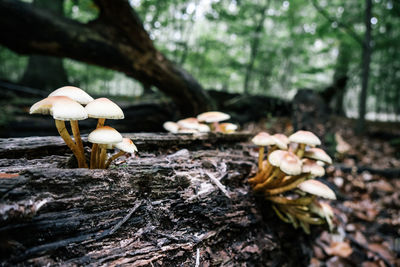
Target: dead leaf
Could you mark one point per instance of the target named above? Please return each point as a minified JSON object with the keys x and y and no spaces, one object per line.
{"x":341,"y":249}
{"x":4,"y":175}
{"x":382,"y":251}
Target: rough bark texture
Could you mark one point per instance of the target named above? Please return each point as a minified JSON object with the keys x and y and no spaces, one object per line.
{"x":115,"y":40}
{"x":183,"y":203}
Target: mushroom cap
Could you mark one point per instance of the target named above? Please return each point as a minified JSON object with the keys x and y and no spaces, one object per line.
{"x":67,"y":109}
{"x":263,"y":139}
{"x":213,"y":116}
{"x":317,"y":188}
{"x":44,"y":106}
{"x":126,"y":145}
{"x":203,"y":128}
{"x":290,"y":163}
{"x":188,"y":123}
{"x":317,"y":154}
{"x":305,"y":137}
{"x":104,"y":108}
{"x":60,"y":107}
{"x":171,"y":126}
{"x":281,"y":141}
{"x":228,"y":127}
{"x":105,"y":135}
{"x":310,"y":166}
{"x":275,"y":157}
{"x":74,"y":93}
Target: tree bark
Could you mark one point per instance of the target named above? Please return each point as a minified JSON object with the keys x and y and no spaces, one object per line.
{"x":115,"y":40}
{"x":366,"y":60}
{"x":46,"y":73}
{"x":173,"y":206}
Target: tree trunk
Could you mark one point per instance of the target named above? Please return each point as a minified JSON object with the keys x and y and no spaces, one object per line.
{"x":45,"y":72}
{"x":366,"y":59}
{"x":183,"y":202}
{"x":115,"y":40}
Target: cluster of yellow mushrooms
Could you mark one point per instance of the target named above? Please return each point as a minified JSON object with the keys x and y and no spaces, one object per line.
{"x":67,"y":104}
{"x":286,"y":178}
{"x":203,"y":123}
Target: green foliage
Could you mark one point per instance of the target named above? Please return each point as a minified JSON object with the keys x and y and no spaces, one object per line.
{"x":298,"y":46}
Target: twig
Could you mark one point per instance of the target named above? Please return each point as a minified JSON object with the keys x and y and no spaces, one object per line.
{"x":218,"y":184}
{"x":197,"y":258}
{"x":120,"y":223}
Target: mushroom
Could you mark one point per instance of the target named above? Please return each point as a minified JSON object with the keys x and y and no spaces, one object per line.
{"x":171,"y":126}
{"x":105,"y":137}
{"x":304,"y":138}
{"x":213,"y":118}
{"x":102,"y":109}
{"x":82,"y":98}
{"x":228,"y":127}
{"x":286,"y":163}
{"x":125,"y":146}
{"x":317,"y":188}
{"x":188,"y":123}
{"x":63,"y":108}
{"x":310,"y":166}
{"x":318,"y":154}
{"x":281,"y":141}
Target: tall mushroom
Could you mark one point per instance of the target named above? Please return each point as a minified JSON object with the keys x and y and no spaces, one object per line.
{"x":104,"y":136}
{"x":102,"y":109}
{"x":63,"y":108}
{"x":82,"y":98}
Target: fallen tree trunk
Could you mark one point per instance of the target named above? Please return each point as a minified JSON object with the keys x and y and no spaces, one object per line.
{"x":116,"y":40}
{"x":184,"y":203}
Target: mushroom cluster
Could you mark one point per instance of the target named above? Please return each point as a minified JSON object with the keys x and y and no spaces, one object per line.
{"x":287,"y":178}
{"x":67,"y":104}
{"x":203,"y":123}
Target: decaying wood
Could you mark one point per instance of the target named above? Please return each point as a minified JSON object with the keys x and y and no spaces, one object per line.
{"x":160,"y":208}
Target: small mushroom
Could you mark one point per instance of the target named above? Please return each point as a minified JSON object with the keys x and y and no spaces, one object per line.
{"x":105,"y":137}
{"x":188,"y":123}
{"x":228,"y":127}
{"x":312,"y":167}
{"x":171,"y":126}
{"x":304,"y":138}
{"x":317,"y":188}
{"x":125,"y":146}
{"x":318,"y":154}
{"x":213,"y":118}
{"x":63,"y":108}
{"x":102,"y":109}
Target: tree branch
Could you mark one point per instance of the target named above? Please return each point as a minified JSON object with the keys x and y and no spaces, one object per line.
{"x":116,"y":40}
{"x":341,"y":25}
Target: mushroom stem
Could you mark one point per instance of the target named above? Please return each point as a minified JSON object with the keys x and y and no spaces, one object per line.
{"x":282,"y":189}
{"x":260,"y":158}
{"x":103,"y":156}
{"x":300,"y":150}
{"x":62,"y":130}
{"x":287,"y":201}
{"x":276,"y":174}
{"x":77,"y":136}
{"x":113,"y":157}
{"x":95,"y":147}
{"x":259,"y":176}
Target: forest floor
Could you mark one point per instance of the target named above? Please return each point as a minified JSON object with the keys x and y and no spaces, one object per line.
{"x":366,"y":180}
